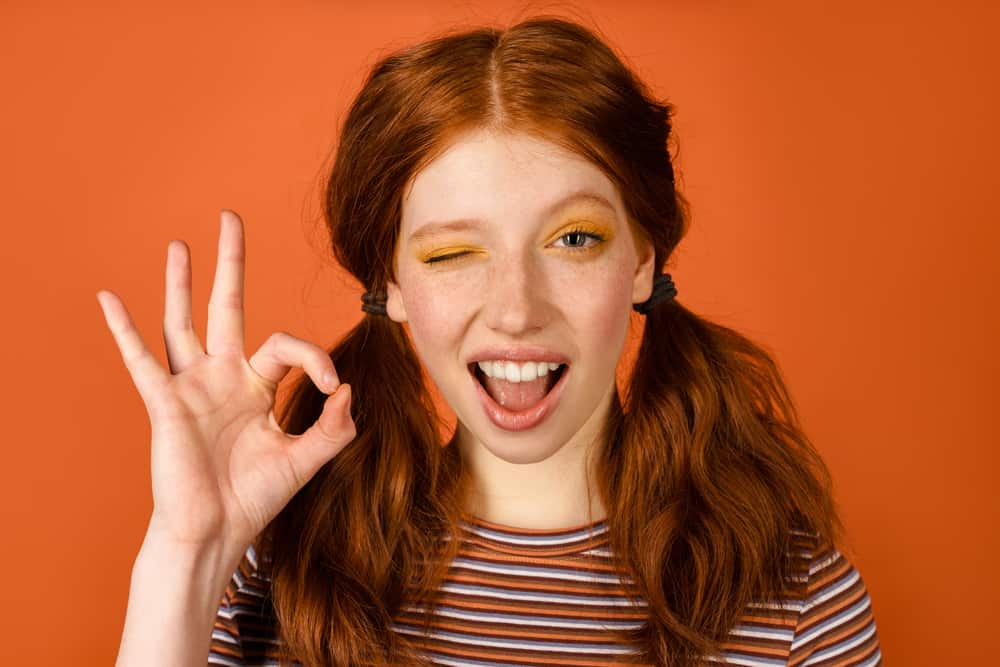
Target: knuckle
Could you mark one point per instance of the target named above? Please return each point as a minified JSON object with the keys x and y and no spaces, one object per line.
{"x":276,"y":341}
{"x":347,"y":432}
{"x":321,"y":357}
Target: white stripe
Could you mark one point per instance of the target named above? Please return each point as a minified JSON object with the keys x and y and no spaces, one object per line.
{"x":247,"y":590}
{"x":496,"y":536}
{"x":535,"y":572}
{"x":745,"y":660}
{"x":764,"y":633}
{"x":823,"y":564}
{"x":598,"y":551}
{"x":468,"y":640}
{"x":803,"y":533}
{"x":484,"y":591}
{"x":456,"y":663}
{"x":824,"y":594}
{"x":844,"y":646}
{"x":566,"y":622}
{"x":785,"y":605}
{"x":828,"y":626}
{"x":224,"y":636}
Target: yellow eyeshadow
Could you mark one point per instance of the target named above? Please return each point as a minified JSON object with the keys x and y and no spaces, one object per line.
{"x":589,"y":226}
{"x":426,"y":256}
{"x":604,"y":231}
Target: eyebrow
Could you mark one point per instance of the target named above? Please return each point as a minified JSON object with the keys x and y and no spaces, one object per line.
{"x":435,"y":228}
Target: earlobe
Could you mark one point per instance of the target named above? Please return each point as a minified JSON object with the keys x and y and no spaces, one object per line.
{"x":394,"y":307}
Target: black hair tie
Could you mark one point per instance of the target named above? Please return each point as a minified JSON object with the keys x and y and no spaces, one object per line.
{"x":663,"y":289}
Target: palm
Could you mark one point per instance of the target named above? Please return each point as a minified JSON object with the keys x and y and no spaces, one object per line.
{"x":221,"y":466}
{"x":217,"y":452}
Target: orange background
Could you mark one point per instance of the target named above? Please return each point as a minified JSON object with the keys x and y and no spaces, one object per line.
{"x":841,"y":164}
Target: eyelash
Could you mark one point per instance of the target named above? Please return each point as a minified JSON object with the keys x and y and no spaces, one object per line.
{"x":597,"y":237}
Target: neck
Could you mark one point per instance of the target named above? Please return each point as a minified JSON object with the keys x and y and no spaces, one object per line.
{"x":554,"y":493}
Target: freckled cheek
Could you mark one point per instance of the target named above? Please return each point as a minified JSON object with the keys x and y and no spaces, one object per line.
{"x":433,"y":312}
{"x":601,"y":314}
{"x":600,"y":310}
{"x":431,"y":330}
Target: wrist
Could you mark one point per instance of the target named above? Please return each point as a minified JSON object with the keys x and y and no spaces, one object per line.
{"x":162,"y":552}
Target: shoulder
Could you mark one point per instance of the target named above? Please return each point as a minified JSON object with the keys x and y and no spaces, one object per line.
{"x":825,"y":619}
{"x":835,"y":623}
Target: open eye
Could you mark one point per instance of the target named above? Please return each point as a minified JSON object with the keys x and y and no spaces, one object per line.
{"x":580,"y":235}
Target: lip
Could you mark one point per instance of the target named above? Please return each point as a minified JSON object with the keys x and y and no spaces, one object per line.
{"x":520,"y":353}
{"x":510,"y":420}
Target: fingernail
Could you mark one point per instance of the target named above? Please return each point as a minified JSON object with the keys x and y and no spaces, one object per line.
{"x":330,"y":380}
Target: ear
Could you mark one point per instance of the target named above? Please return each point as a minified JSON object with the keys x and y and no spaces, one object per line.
{"x":394,"y":307}
{"x":642,"y":285}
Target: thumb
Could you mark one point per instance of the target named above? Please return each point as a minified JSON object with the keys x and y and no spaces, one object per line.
{"x":333,"y":431}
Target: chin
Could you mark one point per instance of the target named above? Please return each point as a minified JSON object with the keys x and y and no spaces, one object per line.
{"x":538,"y":451}
{"x":515,"y":447}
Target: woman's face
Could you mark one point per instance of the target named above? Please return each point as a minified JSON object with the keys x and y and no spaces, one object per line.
{"x":531,"y":270}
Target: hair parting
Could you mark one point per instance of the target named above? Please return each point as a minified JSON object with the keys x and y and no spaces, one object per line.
{"x":706,"y":471}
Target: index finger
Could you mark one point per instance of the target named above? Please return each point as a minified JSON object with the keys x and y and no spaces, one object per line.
{"x":224,"y":331}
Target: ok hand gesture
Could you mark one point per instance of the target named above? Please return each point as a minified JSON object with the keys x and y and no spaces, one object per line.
{"x":221,"y":466}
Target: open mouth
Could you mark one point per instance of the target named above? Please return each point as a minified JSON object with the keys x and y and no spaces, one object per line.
{"x":502,"y":391}
{"x":518,"y":406}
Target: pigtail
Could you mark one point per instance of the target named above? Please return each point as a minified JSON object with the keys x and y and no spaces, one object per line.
{"x":709,"y":474}
{"x":369,"y":515}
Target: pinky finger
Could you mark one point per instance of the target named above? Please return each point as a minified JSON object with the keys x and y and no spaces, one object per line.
{"x":145,"y":370}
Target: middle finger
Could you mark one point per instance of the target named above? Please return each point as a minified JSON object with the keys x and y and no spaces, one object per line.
{"x":225,"y":306}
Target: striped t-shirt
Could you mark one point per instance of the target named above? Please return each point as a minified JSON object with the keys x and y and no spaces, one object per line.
{"x":516,"y":596}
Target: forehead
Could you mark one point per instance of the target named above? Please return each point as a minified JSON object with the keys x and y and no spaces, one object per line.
{"x":486,"y":175}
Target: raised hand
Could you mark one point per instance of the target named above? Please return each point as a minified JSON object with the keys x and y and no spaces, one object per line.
{"x":221,"y":466}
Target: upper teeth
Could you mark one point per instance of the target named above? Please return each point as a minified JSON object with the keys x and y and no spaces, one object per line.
{"x":514,"y":372}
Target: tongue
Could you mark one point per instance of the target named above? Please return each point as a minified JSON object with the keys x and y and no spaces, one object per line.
{"x":518,"y":396}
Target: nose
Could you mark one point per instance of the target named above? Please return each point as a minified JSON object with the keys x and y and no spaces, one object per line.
{"x":516,"y":299}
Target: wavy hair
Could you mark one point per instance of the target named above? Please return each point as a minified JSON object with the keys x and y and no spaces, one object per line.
{"x":706,"y":470}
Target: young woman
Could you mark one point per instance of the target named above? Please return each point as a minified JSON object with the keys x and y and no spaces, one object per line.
{"x":507,"y":199}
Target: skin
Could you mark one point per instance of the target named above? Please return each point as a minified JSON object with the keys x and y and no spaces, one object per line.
{"x":222,"y":468}
{"x":521,"y":280}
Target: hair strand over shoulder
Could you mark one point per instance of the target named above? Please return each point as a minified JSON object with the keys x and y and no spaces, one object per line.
{"x":706,"y":473}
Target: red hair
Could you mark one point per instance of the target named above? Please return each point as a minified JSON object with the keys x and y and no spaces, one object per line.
{"x":706,"y":470}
